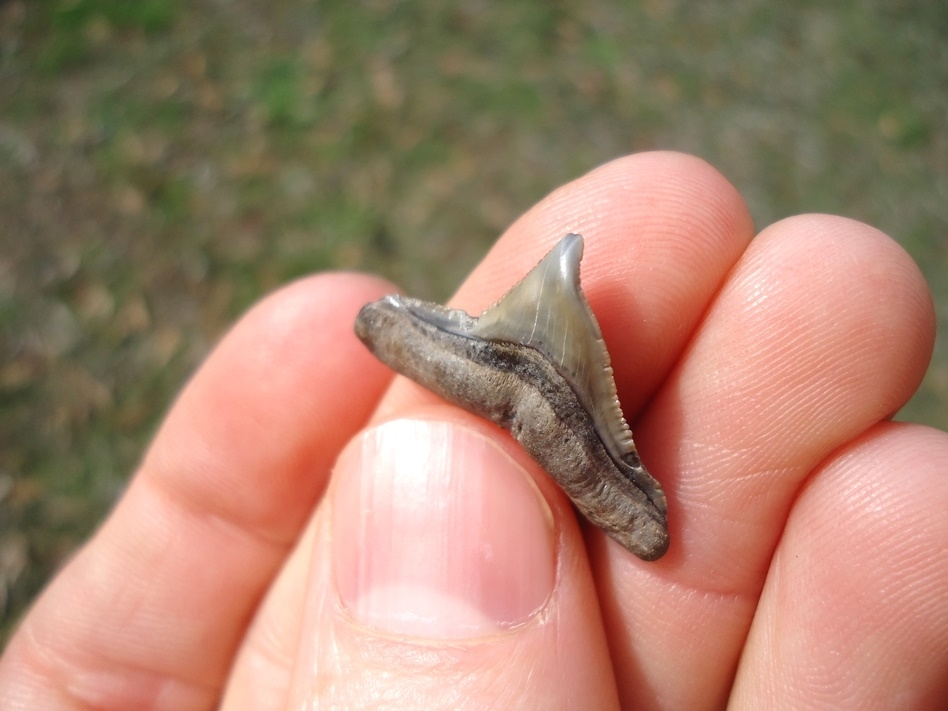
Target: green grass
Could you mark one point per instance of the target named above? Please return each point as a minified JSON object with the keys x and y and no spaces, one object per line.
{"x":164,"y":164}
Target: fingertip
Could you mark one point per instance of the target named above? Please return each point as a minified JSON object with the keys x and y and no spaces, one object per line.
{"x":854,"y":612}
{"x":439,"y":573}
{"x":299,"y":317}
{"x":634,"y":209}
{"x":676,"y":184}
{"x":822,"y":329}
{"x":253,"y":435}
{"x":861,"y":275}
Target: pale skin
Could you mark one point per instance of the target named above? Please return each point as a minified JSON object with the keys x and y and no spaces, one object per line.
{"x":807,"y":564}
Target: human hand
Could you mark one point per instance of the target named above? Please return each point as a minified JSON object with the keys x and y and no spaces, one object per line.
{"x":438,"y":567}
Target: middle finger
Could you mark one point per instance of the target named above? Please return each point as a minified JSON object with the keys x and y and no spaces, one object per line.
{"x":821,"y":330}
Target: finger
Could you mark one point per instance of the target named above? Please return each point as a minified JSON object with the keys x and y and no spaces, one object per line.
{"x":148,"y":614}
{"x":854,"y":613}
{"x":823,"y":329}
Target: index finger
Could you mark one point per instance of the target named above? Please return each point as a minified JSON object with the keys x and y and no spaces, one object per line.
{"x":149,"y":613}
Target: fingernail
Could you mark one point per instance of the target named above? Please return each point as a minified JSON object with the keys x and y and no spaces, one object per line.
{"x":437,"y":532}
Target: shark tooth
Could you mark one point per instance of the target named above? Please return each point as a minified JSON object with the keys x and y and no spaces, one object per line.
{"x":535,"y":363}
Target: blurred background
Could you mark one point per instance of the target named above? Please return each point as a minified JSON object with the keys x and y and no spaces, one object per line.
{"x":163,"y":164}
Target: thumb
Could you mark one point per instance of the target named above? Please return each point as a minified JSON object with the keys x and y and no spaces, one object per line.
{"x":443,"y":578}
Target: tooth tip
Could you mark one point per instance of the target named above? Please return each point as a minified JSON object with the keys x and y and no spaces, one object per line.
{"x":570,"y":253}
{"x":572,"y":241}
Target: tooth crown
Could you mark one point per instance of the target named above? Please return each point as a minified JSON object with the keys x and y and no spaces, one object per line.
{"x":548,"y":311}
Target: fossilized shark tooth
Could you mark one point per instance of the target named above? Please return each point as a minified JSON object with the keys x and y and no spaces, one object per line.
{"x":535,"y":362}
